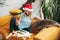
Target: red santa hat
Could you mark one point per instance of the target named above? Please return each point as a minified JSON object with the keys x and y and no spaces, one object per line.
{"x":28,"y":7}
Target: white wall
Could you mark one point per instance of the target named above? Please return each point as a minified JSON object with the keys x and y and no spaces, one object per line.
{"x":12,"y":4}
{"x":16,"y":4}
{"x":36,"y":7}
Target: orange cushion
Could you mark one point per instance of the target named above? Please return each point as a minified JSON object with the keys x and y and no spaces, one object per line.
{"x":5,"y":24}
{"x":50,"y":33}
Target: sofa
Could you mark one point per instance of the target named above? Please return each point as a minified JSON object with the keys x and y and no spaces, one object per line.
{"x":51,"y":33}
{"x":5,"y":26}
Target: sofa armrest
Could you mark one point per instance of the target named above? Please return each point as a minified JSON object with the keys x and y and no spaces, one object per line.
{"x":2,"y":36}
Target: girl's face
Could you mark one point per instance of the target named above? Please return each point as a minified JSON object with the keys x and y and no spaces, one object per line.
{"x":27,"y":12}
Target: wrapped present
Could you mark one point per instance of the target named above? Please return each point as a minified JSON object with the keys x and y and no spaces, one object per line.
{"x":23,"y":33}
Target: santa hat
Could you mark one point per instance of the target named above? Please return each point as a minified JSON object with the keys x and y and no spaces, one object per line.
{"x":28,"y":7}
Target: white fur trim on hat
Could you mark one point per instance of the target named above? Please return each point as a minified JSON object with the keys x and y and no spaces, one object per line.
{"x":28,"y":9}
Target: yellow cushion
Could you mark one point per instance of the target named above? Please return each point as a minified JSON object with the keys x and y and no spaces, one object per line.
{"x":33,"y":21}
{"x":50,"y":33}
{"x":15,"y":11}
{"x":5,"y":24}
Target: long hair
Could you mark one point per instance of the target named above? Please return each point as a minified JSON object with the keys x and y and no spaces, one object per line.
{"x":40,"y":24}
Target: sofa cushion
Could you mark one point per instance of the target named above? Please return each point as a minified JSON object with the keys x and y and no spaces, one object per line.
{"x":51,"y":33}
